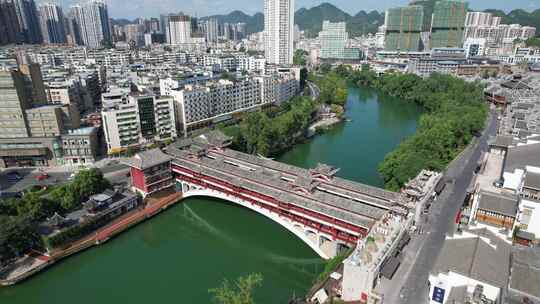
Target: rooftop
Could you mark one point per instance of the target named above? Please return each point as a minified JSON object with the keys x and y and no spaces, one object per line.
{"x":532,"y":180}
{"x":525,"y":271}
{"x":521,"y":156}
{"x":82,"y":131}
{"x":147,"y":159}
{"x":498,"y":203}
{"x":314,"y":189}
{"x":479,"y":255}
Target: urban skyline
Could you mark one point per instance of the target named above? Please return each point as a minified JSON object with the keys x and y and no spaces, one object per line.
{"x":201,"y":8}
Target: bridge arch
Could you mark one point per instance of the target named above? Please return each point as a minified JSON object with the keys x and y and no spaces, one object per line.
{"x":190,"y":190}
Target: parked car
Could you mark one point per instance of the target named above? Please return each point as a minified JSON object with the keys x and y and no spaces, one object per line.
{"x":42,"y":176}
{"x":13,"y":176}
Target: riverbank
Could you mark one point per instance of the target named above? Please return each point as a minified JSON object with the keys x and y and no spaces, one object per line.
{"x":455,"y":112}
{"x":35,"y":262}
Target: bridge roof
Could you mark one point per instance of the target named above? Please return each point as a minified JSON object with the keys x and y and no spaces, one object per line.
{"x":366,"y":193}
{"x":352,"y":202}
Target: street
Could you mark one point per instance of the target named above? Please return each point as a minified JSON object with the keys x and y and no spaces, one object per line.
{"x":113,"y":170}
{"x":315,"y":91}
{"x":409,"y":285}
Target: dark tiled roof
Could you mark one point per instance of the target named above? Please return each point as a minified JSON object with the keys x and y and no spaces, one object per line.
{"x":497,"y":203}
{"x":525,"y":271}
{"x":475,"y":258}
{"x":521,"y":156}
{"x":148,"y":159}
{"x":532,"y":180}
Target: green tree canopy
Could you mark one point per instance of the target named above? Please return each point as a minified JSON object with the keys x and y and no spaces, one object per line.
{"x":241,"y":292}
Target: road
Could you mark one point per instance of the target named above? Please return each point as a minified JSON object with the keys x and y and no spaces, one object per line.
{"x":114,"y":171}
{"x":315,"y":91}
{"x":411,"y":286}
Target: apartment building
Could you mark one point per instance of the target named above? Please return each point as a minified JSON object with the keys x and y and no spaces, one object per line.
{"x":80,"y":146}
{"x":45,"y":121}
{"x":136,"y":118}
{"x":198,"y":106}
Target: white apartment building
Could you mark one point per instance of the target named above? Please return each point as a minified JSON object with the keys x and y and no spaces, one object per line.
{"x":136,"y":118}
{"x":279,"y":31}
{"x":121,"y":126}
{"x":475,"y":46}
{"x":485,"y":25}
{"x":179,"y":29}
{"x":198,"y":106}
{"x":236,"y":62}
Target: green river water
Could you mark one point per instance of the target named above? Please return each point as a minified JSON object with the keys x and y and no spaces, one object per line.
{"x":178,"y":255}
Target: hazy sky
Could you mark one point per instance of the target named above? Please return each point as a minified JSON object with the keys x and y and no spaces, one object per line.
{"x":146,"y":8}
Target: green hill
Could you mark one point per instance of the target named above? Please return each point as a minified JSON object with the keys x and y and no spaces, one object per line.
{"x":310,"y":20}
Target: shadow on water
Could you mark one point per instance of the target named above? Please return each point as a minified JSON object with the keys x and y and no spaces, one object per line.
{"x":237,"y":243}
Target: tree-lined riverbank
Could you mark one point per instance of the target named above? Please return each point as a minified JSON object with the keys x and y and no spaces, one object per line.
{"x":454,"y":112}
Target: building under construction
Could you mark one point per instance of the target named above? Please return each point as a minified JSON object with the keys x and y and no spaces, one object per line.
{"x":403,"y":28}
{"x":448,"y":23}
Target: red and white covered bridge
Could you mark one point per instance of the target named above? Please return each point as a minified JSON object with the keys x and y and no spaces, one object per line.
{"x":325,"y":211}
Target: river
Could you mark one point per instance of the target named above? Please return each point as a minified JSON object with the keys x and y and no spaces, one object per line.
{"x":178,"y":255}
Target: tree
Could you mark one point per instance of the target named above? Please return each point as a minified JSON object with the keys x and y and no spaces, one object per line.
{"x":299,"y":57}
{"x":239,"y":293}
{"x":325,"y":68}
{"x":17,"y":235}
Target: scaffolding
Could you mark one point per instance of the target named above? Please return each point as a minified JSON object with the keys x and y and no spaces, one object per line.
{"x":448,"y":23}
{"x":403,"y":28}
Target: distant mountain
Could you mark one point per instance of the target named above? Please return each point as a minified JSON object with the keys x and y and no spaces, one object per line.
{"x":254,"y":23}
{"x":121,"y":22}
{"x":310,"y":20}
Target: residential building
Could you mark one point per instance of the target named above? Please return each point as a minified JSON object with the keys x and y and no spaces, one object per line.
{"x":96,"y":24}
{"x":179,"y":29}
{"x":471,"y":268}
{"x":212,"y":30}
{"x":13,"y":103}
{"x":77,"y":24}
{"x":10,"y":29}
{"x":279,"y":31}
{"x":52,"y":23}
{"x":33,"y":80}
{"x":448,"y":23}
{"x":334,"y":38}
{"x":403,"y":27}
{"x":27,"y":15}
{"x":475,"y":46}
{"x":487,"y":26}
{"x":198,"y":106}
{"x":134,"y":34}
{"x":80,"y":146}
{"x":136,"y":118}
{"x":45,"y":121}
{"x":121,"y":126}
